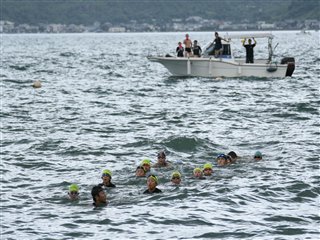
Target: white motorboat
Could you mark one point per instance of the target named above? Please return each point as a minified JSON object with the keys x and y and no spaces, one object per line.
{"x":226,"y":65}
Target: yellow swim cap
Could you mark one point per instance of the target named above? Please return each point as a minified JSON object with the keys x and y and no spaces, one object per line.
{"x":207,"y":165}
{"x":176,"y":174}
{"x":146,"y":161}
{"x":154,"y":177}
{"x":106,"y":172}
{"x":197,"y":170}
{"x":73,"y":188}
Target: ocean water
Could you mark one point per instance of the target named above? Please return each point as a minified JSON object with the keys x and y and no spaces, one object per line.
{"x":102,"y":104}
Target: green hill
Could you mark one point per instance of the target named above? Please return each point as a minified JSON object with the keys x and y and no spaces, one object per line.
{"x":160,"y":11}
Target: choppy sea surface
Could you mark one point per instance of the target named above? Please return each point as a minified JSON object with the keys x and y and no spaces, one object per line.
{"x":102,"y":105}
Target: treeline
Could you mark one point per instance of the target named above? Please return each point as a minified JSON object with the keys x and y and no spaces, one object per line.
{"x":154,"y":11}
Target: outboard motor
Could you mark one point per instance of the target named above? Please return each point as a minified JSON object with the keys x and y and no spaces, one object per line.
{"x":291,"y":65}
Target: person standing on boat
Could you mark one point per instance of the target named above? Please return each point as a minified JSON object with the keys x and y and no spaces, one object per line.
{"x":196,"y":49}
{"x":218,"y":45}
{"x":180,"y":50}
{"x":249,"y":49}
{"x":187,"y":45}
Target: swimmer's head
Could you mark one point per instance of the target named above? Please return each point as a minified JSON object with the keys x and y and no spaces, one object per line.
{"x":207,"y":166}
{"x":73,"y":192}
{"x":146,"y":162}
{"x":258,"y":155}
{"x":154,"y":178}
{"x":106,"y":173}
{"x":175,"y":174}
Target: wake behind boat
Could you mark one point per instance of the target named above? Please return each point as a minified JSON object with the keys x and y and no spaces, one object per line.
{"x":226,"y":65}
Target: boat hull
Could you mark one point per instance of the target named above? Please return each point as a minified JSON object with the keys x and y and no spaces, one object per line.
{"x":212,"y":67}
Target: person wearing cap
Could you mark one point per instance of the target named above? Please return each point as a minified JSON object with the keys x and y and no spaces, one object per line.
{"x":233,"y":156}
{"x":152,"y":183}
{"x":187,"y":46}
{"x":196,"y":49}
{"x":176,"y":178}
{"x":197,"y":173}
{"x":106,"y":179}
{"x":99,"y":196}
{"x":257,"y":156}
{"x":207,"y":169}
{"x":140,"y":171}
{"x":162,"y":160}
{"x":73,"y":192}
{"x":146,"y":164}
{"x":223,"y":160}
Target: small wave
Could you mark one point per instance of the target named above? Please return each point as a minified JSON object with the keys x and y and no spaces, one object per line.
{"x":66,"y":54}
{"x":20,"y":68}
{"x":105,"y":67}
{"x":184,"y":144}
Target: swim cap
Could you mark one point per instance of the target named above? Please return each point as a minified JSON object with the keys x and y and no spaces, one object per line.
{"x":176,"y":174}
{"x":154,"y":177}
{"x":106,"y":172}
{"x":258,"y":154}
{"x":146,"y":161}
{"x":197,"y":170}
{"x":207,"y":165}
{"x":222,"y":156}
{"x":73,"y":188}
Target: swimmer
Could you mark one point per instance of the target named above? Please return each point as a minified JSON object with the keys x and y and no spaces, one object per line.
{"x":146,"y":164}
{"x":233,"y":156}
{"x":207,"y":169}
{"x":257,"y":156}
{"x":73,"y":192}
{"x":140,"y":171}
{"x":99,"y":196}
{"x":162,"y":162}
{"x":176,"y":178}
{"x":222,"y":160}
{"x":152,"y":183}
{"x":106,"y":179}
{"x":197,"y":173}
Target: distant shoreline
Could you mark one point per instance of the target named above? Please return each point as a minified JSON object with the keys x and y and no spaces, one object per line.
{"x":264,"y":30}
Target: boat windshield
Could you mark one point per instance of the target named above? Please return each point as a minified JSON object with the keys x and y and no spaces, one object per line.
{"x":209,"y":50}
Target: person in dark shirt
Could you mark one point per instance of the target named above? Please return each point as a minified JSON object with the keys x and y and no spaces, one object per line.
{"x":99,"y":196}
{"x":106,"y":178}
{"x":196,"y":49}
{"x":180,"y":50}
{"x":249,"y":49}
{"x":152,"y":183}
{"x":218,"y":45}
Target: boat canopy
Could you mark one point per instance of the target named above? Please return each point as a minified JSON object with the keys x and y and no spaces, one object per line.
{"x":248,"y":35}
